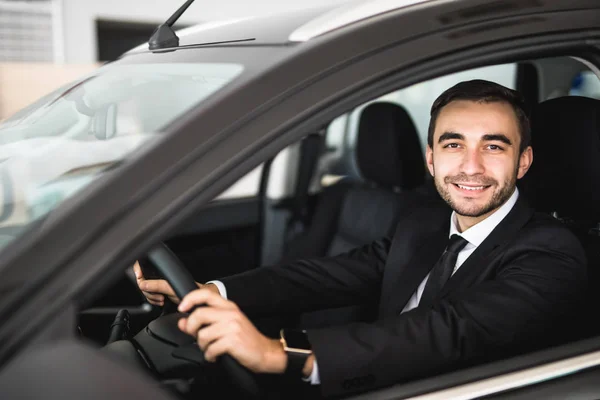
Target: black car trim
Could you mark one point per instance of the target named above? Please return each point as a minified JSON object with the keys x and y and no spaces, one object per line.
{"x":517,"y":380}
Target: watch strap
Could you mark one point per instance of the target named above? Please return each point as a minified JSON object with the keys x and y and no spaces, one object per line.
{"x":295,"y":364}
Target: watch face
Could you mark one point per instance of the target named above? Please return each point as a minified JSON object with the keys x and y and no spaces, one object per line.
{"x":297,"y":339}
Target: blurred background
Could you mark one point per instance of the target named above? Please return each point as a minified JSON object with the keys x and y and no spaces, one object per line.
{"x":47,"y":43}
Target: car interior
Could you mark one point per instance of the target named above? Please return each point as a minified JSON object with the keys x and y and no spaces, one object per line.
{"x":346,"y":185}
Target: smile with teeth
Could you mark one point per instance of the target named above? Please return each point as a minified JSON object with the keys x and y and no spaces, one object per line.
{"x":473,"y":188}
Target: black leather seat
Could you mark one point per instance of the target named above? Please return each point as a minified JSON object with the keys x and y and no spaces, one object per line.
{"x":564,"y":180}
{"x":352,"y":213}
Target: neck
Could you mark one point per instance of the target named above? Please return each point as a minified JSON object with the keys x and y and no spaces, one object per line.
{"x":464,"y":222}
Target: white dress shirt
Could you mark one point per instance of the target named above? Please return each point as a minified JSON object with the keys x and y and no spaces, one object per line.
{"x":475,"y":235}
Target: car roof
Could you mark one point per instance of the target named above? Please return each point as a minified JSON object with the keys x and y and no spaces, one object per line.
{"x":283,"y":28}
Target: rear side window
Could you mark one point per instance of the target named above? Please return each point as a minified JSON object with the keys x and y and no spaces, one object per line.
{"x":586,"y":84}
{"x":416,"y":99}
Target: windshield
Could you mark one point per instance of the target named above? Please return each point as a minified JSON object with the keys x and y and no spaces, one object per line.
{"x":66,"y":140}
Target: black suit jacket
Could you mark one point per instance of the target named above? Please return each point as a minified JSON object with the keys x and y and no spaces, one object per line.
{"x":511,"y":295}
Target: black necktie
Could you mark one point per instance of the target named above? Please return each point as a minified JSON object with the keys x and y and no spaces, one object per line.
{"x":442,"y":270}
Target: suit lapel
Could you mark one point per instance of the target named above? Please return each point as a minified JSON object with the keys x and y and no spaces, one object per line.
{"x":479,"y":259}
{"x":414,"y":254}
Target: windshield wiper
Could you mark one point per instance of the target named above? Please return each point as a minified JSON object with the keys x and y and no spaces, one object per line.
{"x":164,"y":36}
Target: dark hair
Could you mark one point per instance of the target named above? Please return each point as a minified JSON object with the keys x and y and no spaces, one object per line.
{"x":483,"y":92}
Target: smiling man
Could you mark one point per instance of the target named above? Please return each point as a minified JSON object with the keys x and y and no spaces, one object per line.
{"x":481,"y":149}
{"x":482,"y":279}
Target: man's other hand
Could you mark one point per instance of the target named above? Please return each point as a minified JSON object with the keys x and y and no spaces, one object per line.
{"x":155,"y":290}
{"x":221,"y":328}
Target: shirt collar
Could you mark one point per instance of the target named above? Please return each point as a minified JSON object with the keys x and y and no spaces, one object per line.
{"x":476,"y":234}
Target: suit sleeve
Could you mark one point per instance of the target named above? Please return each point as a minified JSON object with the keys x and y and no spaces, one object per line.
{"x":306,"y":285}
{"x":535,"y":288}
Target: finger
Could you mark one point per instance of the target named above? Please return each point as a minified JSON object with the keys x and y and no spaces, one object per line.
{"x":157,"y":286}
{"x":181,"y":324}
{"x":214,"y":332}
{"x":218,"y":348}
{"x":204,"y":296}
{"x":154,"y":296}
{"x":206,"y":316}
{"x":156,"y":303}
{"x":137,"y":270}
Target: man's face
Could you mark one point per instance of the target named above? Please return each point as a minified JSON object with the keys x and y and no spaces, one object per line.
{"x":475,"y":157}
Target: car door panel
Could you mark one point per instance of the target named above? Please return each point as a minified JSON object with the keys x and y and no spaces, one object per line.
{"x":220,"y":240}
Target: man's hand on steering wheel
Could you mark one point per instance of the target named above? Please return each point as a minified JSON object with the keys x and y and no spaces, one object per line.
{"x":221,"y":328}
{"x":161,"y":262}
{"x":155,"y":290}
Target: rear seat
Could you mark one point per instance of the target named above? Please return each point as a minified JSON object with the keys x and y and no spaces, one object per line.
{"x":351,"y":213}
{"x":564,"y":180}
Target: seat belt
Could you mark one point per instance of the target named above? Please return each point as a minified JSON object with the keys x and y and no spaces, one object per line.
{"x":310,"y":150}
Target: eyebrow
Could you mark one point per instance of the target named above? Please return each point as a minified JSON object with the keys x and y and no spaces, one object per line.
{"x":450,"y":136}
{"x":490,"y":137}
{"x":497,"y":137}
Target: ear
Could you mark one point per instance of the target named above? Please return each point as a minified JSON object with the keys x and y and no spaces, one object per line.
{"x":525,"y":160}
{"x":429,"y":160}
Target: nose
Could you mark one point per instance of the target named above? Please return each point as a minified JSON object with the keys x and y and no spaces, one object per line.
{"x":472,"y":163}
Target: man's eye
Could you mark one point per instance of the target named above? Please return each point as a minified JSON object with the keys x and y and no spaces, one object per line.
{"x":451,"y":146}
{"x":494,"y":147}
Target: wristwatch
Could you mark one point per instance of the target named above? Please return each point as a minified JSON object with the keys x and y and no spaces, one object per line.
{"x":297,"y":347}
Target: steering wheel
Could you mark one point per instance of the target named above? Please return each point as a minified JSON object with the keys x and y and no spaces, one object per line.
{"x":173,"y":271}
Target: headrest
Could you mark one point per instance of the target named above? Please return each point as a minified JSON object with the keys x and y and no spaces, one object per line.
{"x":565,"y":174}
{"x":388,"y":152}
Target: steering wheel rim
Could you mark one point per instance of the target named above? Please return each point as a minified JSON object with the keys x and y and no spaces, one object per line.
{"x":173,"y":271}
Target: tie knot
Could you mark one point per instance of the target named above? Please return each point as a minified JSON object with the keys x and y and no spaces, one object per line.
{"x":456,"y":244}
